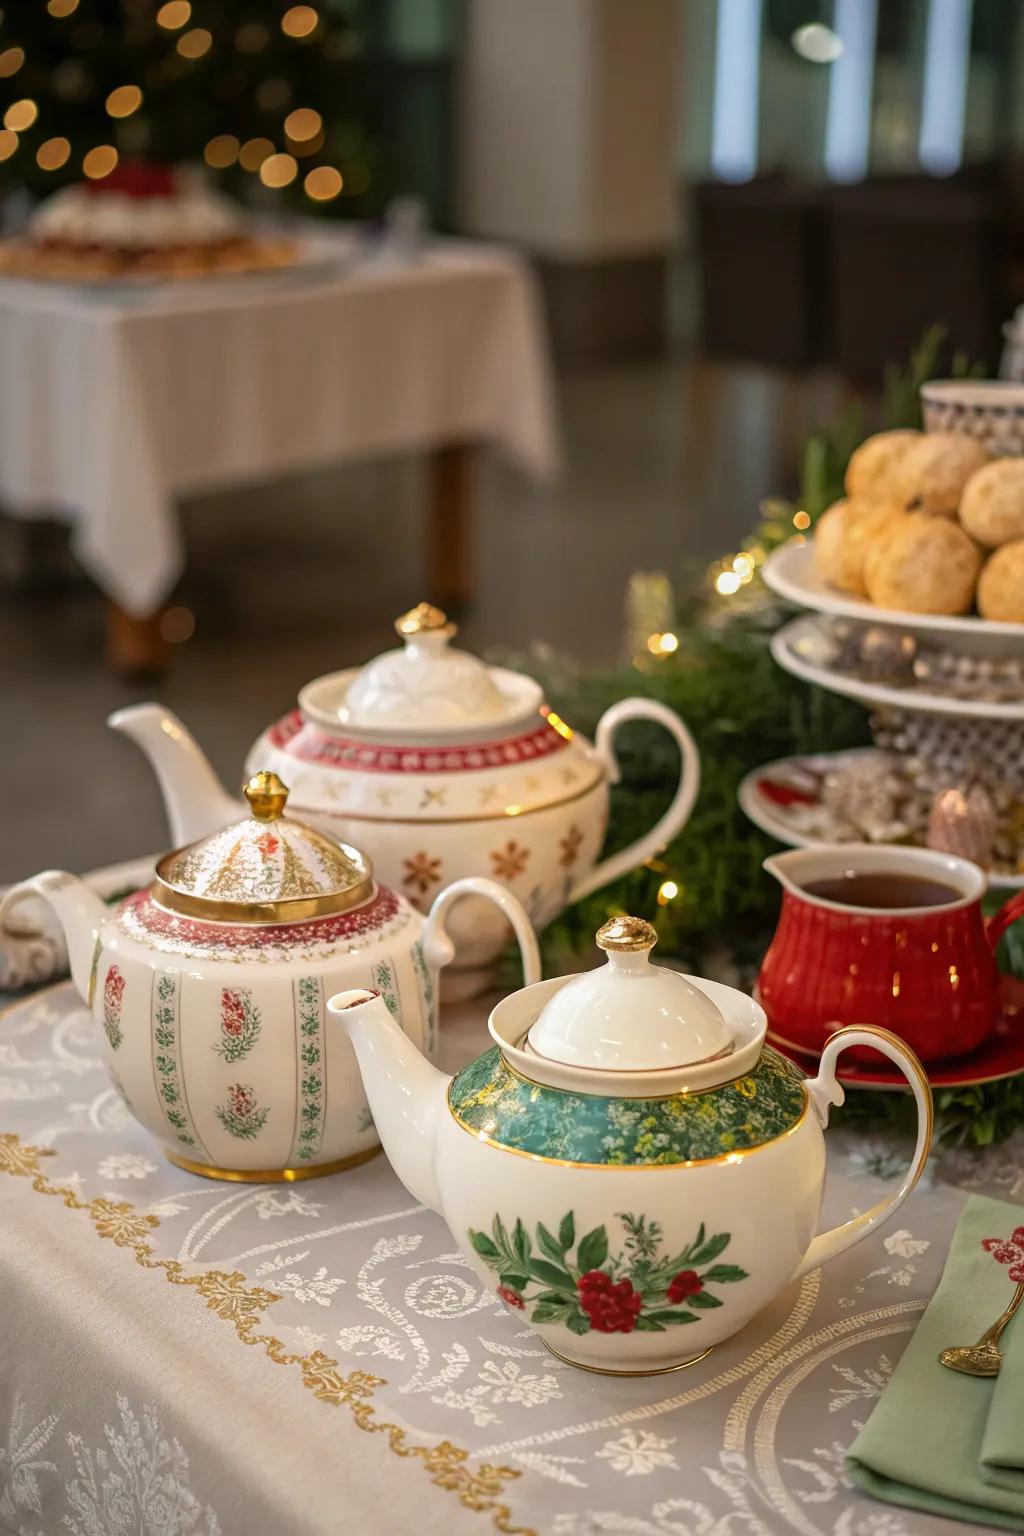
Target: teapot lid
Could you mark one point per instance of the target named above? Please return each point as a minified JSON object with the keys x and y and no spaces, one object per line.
{"x":427,"y":687}
{"x":265,"y":868}
{"x":629,"y":1015}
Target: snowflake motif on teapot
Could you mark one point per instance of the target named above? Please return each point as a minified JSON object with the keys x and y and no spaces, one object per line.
{"x":640,"y":1288}
{"x":510,"y":861}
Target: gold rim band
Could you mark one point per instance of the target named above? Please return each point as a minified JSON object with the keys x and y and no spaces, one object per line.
{"x":273,"y":1175}
{"x":293,"y":909}
{"x":606,"y":1370}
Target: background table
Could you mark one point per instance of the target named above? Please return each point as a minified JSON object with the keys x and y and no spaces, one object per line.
{"x":187,"y":1358}
{"x":113,"y":401}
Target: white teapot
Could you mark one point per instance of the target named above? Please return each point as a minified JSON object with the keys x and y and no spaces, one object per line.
{"x":439,"y":767}
{"x":209,"y":988}
{"x":630,"y":1167}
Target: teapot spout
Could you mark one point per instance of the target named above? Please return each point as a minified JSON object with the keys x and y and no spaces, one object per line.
{"x":406,"y":1094}
{"x":79,"y":911}
{"x":195,"y":801}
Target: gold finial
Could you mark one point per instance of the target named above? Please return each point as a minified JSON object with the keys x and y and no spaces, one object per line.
{"x":626,"y":934}
{"x":424,"y":619}
{"x":267,"y":796}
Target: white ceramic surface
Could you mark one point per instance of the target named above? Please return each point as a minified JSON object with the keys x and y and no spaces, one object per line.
{"x":790,"y":573}
{"x":792,"y":644}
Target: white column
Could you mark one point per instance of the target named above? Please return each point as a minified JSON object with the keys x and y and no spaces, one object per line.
{"x":848,"y":127}
{"x":947,"y":58}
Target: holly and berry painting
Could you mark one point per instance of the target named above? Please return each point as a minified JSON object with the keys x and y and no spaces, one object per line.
{"x":583,"y":1285}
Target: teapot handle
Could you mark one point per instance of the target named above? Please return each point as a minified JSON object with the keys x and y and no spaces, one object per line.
{"x":825,"y":1090}
{"x":1008,"y":913}
{"x":438,"y":948}
{"x":678,"y":813}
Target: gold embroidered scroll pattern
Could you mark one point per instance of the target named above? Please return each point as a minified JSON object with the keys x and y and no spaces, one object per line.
{"x":232,"y":1299}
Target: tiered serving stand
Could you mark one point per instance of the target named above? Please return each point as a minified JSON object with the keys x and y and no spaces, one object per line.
{"x":946,"y":697}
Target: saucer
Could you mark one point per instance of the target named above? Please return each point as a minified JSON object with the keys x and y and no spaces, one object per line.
{"x":1001,"y":1055}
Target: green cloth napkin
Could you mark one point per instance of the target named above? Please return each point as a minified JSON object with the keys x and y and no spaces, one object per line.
{"x":939,"y":1441}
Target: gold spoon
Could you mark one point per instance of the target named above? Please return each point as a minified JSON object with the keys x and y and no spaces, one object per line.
{"x":985,"y":1357}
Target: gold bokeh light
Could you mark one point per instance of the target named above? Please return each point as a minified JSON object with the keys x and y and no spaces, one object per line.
{"x":11,"y":61}
{"x":62,"y":8}
{"x":194,"y":43}
{"x":173,"y":15}
{"x":322,"y":183}
{"x":21,"y":115}
{"x":254,"y":152}
{"x":124,"y":100}
{"x":303,"y":124}
{"x":299,"y":21}
{"x":279,"y":170}
{"x":8,"y":143}
{"x":221,"y":151}
{"x":52,"y":154}
{"x":99,"y":162}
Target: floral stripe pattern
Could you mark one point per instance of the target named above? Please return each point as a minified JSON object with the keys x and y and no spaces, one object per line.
{"x":240,"y":1024}
{"x":167,"y":1059}
{"x":429,"y":991}
{"x":242,"y":1115}
{"x":311,"y":1049}
{"x":386,"y":983}
{"x":113,"y":1001}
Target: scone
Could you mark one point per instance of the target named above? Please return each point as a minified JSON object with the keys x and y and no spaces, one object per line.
{"x":930,"y":476}
{"x":926,"y":565}
{"x":992,"y":506}
{"x":1001,"y":585}
{"x":843,"y":536}
{"x":871,"y":471}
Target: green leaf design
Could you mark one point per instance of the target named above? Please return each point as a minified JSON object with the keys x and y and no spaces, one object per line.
{"x":483,"y":1245}
{"x":593,"y":1250}
{"x":671,"y":1315}
{"x":553,"y":1275}
{"x":547,"y":1312}
{"x":648,"y":1322}
{"x":548,"y":1244}
{"x":521,"y":1242}
{"x":514,"y":1279}
{"x":567,"y":1232}
{"x":703,"y":1300}
{"x":711,"y":1249}
{"x":577,"y":1322}
{"x":722,"y":1274}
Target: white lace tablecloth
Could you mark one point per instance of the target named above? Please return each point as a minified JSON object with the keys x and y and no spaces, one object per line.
{"x":112,"y":402}
{"x":186,"y":1358}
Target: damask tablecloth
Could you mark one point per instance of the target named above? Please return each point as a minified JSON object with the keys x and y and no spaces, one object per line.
{"x":186,"y":1358}
{"x":115,"y":401}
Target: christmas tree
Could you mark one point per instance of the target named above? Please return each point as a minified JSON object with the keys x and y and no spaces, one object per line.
{"x":255,"y":88}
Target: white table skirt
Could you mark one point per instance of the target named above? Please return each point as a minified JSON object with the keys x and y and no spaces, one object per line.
{"x":112,"y":403}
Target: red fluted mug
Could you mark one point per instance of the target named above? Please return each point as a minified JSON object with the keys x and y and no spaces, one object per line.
{"x":927,"y":973}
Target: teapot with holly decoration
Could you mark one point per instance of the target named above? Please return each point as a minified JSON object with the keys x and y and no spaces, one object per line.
{"x":630,"y":1167}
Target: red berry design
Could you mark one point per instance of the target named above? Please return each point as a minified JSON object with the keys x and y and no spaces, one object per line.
{"x":611,"y":1307}
{"x":686,"y":1283}
{"x":1008,"y":1250}
{"x":511,"y":1298}
{"x":232,"y":1013}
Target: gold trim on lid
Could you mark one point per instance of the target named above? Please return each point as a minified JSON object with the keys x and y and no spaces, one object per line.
{"x":626,"y":934}
{"x":267,"y":796}
{"x":424,"y":619}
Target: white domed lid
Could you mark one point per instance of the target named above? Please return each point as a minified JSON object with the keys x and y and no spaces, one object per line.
{"x":427,"y":688}
{"x":630,"y":1015}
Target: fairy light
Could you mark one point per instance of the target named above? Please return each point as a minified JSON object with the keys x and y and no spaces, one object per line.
{"x":99,"y":162}
{"x":299,"y":21}
{"x":743,"y":565}
{"x":322,"y":183}
{"x":279,"y":170}
{"x":304,"y":123}
{"x":11,"y":61}
{"x":801,"y":520}
{"x":662,"y":643}
{"x":173,"y":15}
{"x":124,"y":100}
{"x":20,"y":115}
{"x":727,"y":582}
{"x":253,"y":153}
{"x":668,"y":890}
{"x":307,"y":146}
{"x":61,"y":8}
{"x":52,"y":154}
{"x":8,"y":143}
{"x":194,"y":43}
{"x":221,"y":151}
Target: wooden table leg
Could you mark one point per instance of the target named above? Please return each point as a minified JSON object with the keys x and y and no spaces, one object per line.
{"x":135,"y":647}
{"x":450,"y":527}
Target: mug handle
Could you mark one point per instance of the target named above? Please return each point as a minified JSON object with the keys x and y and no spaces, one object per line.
{"x":1009,"y":912}
{"x":678,"y":813}
{"x":438,"y":948}
{"x":826,"y":1090}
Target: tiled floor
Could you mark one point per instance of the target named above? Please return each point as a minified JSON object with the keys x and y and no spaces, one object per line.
{"x":665,"y":463}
